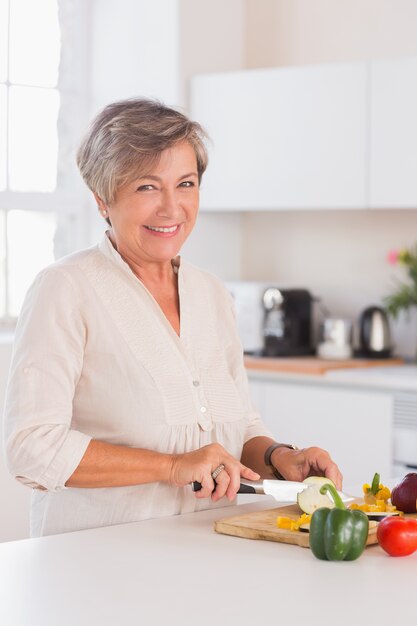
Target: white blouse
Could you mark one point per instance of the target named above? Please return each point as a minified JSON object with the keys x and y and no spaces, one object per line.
{"x":96,"y":358}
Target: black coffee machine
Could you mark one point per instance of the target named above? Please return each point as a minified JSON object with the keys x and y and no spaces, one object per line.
{"x":287,"y":327}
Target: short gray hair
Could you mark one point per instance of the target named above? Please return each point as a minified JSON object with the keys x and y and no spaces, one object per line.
{"x":127,"y":137}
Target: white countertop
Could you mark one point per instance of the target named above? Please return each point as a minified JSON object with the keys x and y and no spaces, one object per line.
{"x":395,"y":378}
{"x":399,"y":377}
{"x":178,"y":571}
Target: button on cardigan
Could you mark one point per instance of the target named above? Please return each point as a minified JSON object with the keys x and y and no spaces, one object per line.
{"x":96,"y":358}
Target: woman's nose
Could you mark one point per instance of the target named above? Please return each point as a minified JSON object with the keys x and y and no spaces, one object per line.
{"x":170,"y":204}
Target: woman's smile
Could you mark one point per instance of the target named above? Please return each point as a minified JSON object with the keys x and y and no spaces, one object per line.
{"x":163,"y":231}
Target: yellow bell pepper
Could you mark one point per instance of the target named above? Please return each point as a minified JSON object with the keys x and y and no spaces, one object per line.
{"x":289,"y":523}
{"x":375,"y":492}
{"x":381,"y":506}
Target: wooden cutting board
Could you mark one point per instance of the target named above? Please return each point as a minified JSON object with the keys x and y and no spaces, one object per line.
{"x":262,"y":525}
{"x":313,"y":365}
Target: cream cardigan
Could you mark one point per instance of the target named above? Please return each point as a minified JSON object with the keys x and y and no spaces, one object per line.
{"x":95,"y":357}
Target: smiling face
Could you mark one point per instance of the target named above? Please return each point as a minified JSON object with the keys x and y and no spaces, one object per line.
{"x":153,"y":215}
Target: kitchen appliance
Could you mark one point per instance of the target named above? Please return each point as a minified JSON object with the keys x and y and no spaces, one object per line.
{"x":281,"y":490}
{"x":247,"y":297}
{"x":335,"y":339}
{"x":287,"y":326}
{"x":274,"y":325}
{"x":374,"y":333}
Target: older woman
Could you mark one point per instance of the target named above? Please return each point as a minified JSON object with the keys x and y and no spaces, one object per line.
{"x":127,"y":381}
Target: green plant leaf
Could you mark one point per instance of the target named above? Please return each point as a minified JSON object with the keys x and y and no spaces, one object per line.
{"x":401,"y":300}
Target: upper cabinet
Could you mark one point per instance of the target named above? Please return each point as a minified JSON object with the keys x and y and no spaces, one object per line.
{"x":393,"y":134}
{"x":285,"y":138}
{"x":318,"y":137}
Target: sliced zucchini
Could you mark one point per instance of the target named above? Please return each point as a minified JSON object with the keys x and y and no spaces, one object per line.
{"x":311,"y":499}
{"x":377,"y":516}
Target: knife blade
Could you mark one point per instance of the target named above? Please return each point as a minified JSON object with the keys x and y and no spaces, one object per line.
{"x":281,"y":490}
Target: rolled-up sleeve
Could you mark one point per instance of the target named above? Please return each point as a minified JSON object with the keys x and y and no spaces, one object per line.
{"x":41,"y":448}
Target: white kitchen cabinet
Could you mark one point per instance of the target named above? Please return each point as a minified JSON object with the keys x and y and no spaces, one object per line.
{"x":393,"y":134}
{"x":355,"y":426}
{"x":285,"y":138}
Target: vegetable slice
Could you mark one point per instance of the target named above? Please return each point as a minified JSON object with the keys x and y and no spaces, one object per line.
{"x":311,"y":499}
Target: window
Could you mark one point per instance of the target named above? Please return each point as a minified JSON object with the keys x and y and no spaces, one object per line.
{"x":39,"y":80}
{"x":29,"y":105}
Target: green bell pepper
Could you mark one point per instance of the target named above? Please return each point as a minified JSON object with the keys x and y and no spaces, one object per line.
{"x":338,"y":534}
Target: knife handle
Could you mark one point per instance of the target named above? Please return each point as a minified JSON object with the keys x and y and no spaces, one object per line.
{"x":243,"y":488}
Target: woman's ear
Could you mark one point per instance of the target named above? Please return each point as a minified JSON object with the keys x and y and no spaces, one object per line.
{"x":101,"y":206}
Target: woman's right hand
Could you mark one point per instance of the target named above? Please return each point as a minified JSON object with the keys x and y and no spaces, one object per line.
{"x":199,"y":466}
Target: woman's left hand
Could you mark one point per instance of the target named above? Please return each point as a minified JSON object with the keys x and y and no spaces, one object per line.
{"x":298,"y":464}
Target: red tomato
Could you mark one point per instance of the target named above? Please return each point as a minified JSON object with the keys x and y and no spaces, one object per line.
{"x":398,"y":535}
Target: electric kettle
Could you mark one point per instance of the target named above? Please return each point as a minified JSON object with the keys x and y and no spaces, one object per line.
{"x":374,"y":333}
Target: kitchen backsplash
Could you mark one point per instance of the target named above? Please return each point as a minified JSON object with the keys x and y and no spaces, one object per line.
{"x":339,"y":255}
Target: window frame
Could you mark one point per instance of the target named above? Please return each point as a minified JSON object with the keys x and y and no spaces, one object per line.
{"x":68,"y":201}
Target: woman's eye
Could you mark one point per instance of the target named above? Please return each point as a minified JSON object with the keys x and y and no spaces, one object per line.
{"x":145,"y":188}
{"x":187,"y":183}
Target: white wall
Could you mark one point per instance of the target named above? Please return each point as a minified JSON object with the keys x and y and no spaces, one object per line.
{"x":135,"y":50}
{"x":302,"y":32}
{"x":142,"y":48}
{"x":341,"y":256}
{"x":213,"y":38}
{"x":216,"y":244}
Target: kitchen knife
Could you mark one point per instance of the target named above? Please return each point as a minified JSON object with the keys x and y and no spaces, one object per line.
{"x":281,"y":490}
